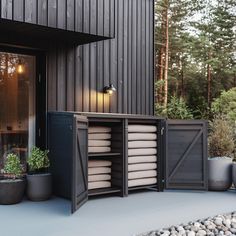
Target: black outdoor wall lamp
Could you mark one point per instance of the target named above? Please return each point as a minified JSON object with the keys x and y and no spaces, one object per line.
{"x":109,"y":89}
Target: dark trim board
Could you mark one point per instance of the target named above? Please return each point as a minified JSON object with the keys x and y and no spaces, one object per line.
{"x":91,"y":115}
{"x":41,"y":100}
{"x":37,"y":36}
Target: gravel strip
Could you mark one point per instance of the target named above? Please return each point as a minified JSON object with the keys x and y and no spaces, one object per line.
{"x":218,"y":225}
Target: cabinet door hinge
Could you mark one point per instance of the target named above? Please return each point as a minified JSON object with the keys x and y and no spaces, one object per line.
{"x":39,"y":78}
{"x":162,"y":130}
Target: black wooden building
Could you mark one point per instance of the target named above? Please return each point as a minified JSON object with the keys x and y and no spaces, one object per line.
{"x":69,"y":50}
{"x":122,"y":52}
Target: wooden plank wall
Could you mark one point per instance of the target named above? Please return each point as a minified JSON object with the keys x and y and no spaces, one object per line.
{"x":77,"y":75}
{"x":85,"y":16}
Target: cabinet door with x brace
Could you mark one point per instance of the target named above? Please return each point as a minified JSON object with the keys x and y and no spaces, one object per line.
{"x":186,"y":155}
{"x":80,"y":162}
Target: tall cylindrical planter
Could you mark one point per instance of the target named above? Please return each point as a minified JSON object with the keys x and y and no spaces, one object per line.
{"x":39,"y":186}
{"x":220,"y":173}
{"x":234,"y":174}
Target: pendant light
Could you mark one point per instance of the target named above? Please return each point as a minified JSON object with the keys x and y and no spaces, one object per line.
{"x":20,"y":67}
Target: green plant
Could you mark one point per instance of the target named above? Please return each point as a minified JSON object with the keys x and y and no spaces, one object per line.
{"x":225,"y":104}
{"x":38,"y":159}
{"x":221,"y":138}
{"x":12,"y":166}
{"x":176,"y":109}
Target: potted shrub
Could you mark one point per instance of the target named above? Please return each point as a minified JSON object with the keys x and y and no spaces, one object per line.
{"x":39,"y":180}
{"x":234,"y":173}
{"x":221,"y":147}
{"x":12,"y":182}
{"x":234,"y":163}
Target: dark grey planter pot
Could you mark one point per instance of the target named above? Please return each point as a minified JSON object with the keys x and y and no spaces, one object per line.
{"x":39,"y":186}
{"x":220,"y":173}
{"x":234,"y":174}
{"x":11,"y":191}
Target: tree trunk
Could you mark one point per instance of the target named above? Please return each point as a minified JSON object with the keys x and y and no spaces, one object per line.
{"x":166,"y":56}
{"x":182,"y":84}
{"x":181,"y":73}
{"x":160,"y":75}
{"x":161,"y":57}
{"x":209,"y":82}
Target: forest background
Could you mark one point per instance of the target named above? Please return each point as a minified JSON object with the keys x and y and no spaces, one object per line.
{"x":195,"y":55}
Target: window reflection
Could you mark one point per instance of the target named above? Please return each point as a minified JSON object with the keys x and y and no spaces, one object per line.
{"x":17,"y":104}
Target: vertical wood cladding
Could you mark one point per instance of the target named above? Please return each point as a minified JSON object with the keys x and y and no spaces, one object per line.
{"x":85,"y":16}
{"x":77,"y":75}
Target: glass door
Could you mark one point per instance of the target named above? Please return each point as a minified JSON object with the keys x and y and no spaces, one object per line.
{"x":17,"y":104}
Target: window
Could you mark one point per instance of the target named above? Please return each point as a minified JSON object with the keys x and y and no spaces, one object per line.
{"x":17,"y":104}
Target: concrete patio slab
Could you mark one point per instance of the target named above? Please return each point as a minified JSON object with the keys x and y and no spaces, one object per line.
{"x":113,"y":216}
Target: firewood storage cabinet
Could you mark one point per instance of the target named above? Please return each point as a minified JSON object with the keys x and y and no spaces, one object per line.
{"x":181,"y":151}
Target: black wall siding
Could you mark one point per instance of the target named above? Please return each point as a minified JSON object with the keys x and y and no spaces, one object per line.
{"x":52,"y":76}
{"x":31,"y":11}
{"x":152,"y":59}
{"x":93,"y":19}
{"x":106,"y":74}
{"x":86,"y":76}
{"x":125,"y":57}
{"x":100,"y":17}
{"x":42,"y":10}
{"x":143,"y":55}
{"x":78,"y":81}
{"x":72,"y":15}
{"x":6,"y":9}
{"x":126,"y":61}
{"x":120,"y":55}
{"x":52,"y":13}
{"x":148,"y":83}
{"x":86,"y":21}
{"x":106,"y":17}
{"x":114,"y":60}
{"x":139,"y":57}
{"x":106,"y":51}
{"x":70,"y":75}
{"x":61,"y":15}
{"x":18,"y":8}
{"x":134,"y":57}
{"x":112,"y":17}
{"x":93,"y":78}
{"x":100,"y":59}
{"x":79,"y":15}
{"x":129,"y":57}
{"x":62,"y":67}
